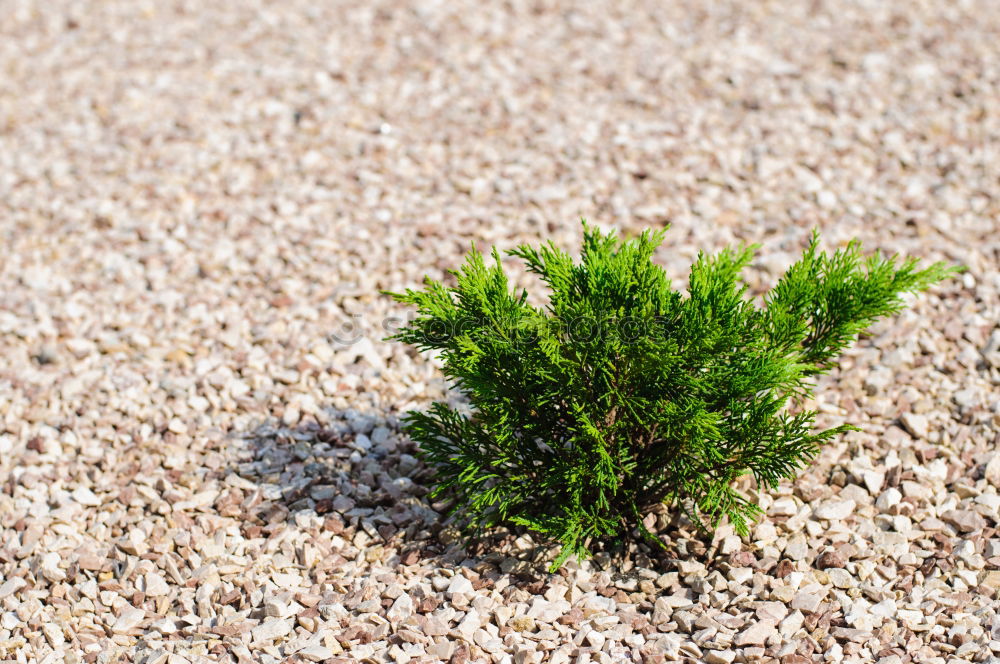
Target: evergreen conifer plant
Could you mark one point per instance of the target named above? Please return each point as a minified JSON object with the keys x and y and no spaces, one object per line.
{"x":621,"y":393}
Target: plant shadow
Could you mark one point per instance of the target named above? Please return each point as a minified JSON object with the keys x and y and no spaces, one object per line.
{"x":362,"y":477}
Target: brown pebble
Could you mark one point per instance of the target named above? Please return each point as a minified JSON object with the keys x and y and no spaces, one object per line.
{"x":795,"y":658}
{"x":428,"y":604}
{"x":334,"y":524}
{"x":783,"y":569}
{"x":460,"y":656}
{"x":830,"y":559}
{"x":573,"y":617}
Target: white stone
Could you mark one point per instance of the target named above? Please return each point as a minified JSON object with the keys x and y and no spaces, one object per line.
{"x":661,"y":611}
{"x":966,"y":399}
{"x":835,"y":510}
{"x":470,"y":623}
{"x":915,"y":424}
{"x":128,"y":620}
{"x":888,"y":499}
{"x":595,"y":639}
{"x":784,"y":507}
{"x":276,"y":608}
{"x":826,"y":199}
{"x":689,"y":567}
{"x":165,"y":626}
{"x":669,"y":646}
{"x":730,"y":544}
{"x":85,"y":496}
{"x":269,"y":630}
{"x":738,"y":575}
{"x":771,"y":611}
{"x":840,"y":578}
{"x":134,"y":542}
{"x":460,"y":584}
{"x":917,"y":490}
{"x":791,"y":624}
{"x":992,"y":471}
{"x":49,"y":566}
{"x":546,"y":611}
{"x":54,"y":634}
{"x":316,"y":653}
{"x":526,"y":655}
{"x":401,"y":609}
{"x":878,"y":380}
{"x":991,"y":351}
{"x":765,"y":533}
{"x":873,"y":481}
{"x":884,"y":609}
{"x":797,"y":548}
{"x":990,"y":500}
{"x":806,"y":601}
{"x":756,"y":634}
{"x":720,"y":657}
{"x":155,"y":585}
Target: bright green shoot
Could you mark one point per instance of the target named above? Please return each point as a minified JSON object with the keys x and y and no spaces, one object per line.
{"x":622,"y":393}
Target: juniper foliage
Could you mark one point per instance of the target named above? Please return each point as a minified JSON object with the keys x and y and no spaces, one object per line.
{"x":622,"y":393}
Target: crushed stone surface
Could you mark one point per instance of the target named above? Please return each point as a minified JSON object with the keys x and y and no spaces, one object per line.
{"x":200,"y":453}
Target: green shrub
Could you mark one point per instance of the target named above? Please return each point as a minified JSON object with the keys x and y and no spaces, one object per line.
{"x":621,"y":393}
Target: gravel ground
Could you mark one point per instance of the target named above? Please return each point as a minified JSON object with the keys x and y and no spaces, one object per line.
{"x":199,"y":200}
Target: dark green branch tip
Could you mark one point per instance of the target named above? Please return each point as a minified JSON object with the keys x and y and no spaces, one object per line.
{"x":620,"y":393}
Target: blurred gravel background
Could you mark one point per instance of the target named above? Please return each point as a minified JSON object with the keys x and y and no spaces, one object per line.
{"x":197,"y":200}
